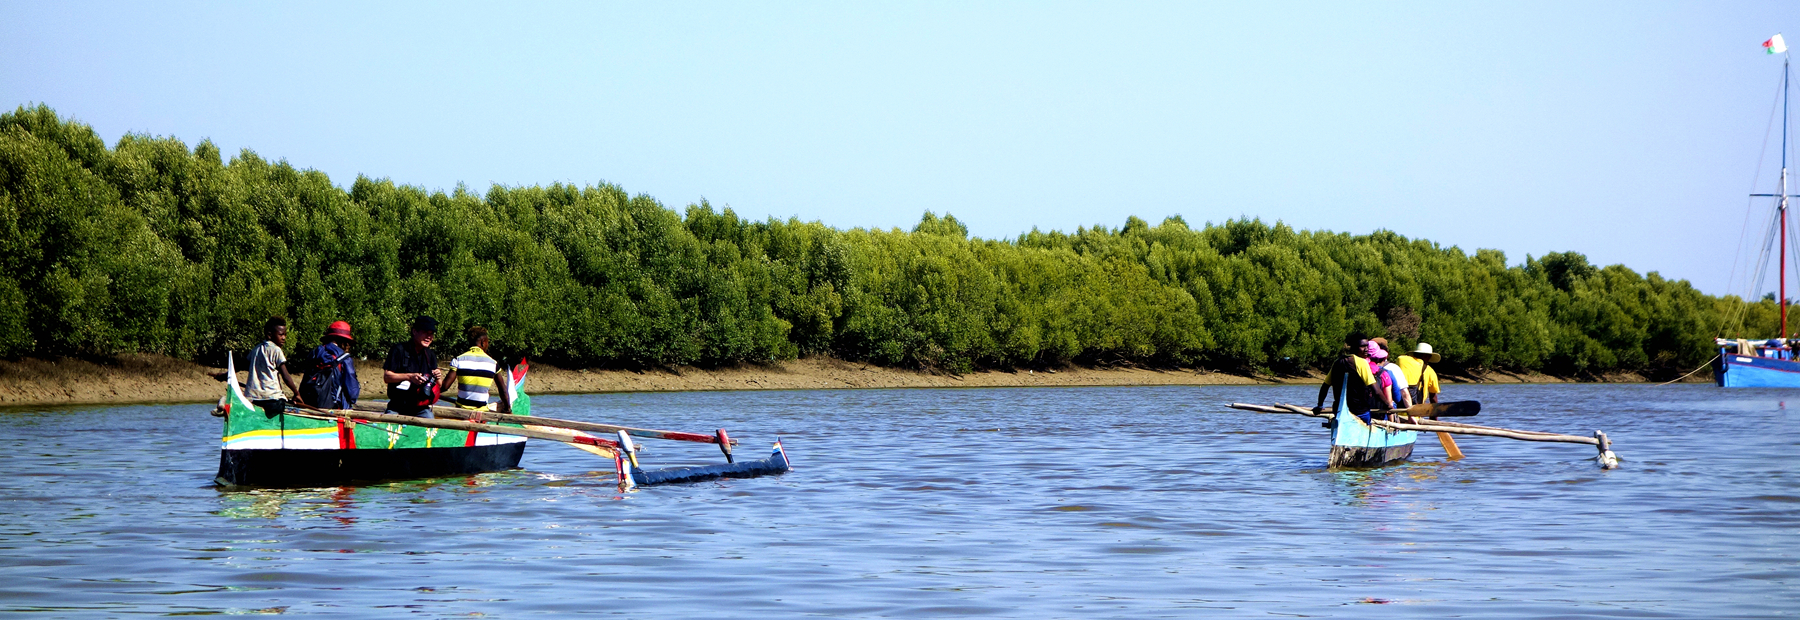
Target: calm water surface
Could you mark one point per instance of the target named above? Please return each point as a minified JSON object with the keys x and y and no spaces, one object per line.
{"x":1073,"y":502}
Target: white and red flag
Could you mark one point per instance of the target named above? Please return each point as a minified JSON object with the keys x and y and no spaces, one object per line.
{"x":1775,"y":45}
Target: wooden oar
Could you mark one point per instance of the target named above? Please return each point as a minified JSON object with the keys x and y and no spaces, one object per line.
{"x":1451,"y":451}
{"x":531,"y":420}
{"x":1455,"y":408}
{"x":1452,"y":408}
{"x":570,"y":438}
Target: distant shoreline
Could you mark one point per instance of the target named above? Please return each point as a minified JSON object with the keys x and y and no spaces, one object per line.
{"x":157,"y":379}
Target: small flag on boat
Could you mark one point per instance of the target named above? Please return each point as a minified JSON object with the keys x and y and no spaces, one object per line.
{"x":1775,"y":45}
{"x":514,"y":383}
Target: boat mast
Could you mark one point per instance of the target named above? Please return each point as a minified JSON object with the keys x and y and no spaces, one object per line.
{"x":1781,"y":197}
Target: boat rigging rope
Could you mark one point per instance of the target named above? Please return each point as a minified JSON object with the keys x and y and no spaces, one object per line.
{"x":1690,"y":374}
{"x":1736,"y":317}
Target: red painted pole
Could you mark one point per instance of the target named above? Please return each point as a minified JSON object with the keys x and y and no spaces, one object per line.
{"x":725,"y":446}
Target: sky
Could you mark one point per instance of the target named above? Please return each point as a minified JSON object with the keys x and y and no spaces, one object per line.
{"x":1630,"y":132}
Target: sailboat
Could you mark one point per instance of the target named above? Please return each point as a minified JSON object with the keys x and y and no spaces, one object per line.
{"x":1771,"y":362}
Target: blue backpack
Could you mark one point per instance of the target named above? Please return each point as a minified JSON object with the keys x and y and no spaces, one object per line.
{"x":322,"y":385}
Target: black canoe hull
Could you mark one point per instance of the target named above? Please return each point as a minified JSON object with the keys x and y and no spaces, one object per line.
{"x":314,"y":468}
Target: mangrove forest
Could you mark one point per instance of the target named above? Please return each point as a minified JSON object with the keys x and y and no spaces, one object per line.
{"x":149,"y":246}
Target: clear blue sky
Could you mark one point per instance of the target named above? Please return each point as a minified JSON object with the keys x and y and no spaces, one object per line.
{"x":1628,"y":131}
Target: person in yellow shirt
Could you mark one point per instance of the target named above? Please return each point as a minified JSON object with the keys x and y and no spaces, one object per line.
{"x":474,"y":373}
{"x":1421,"y":379}
{"x":1356,"y":386}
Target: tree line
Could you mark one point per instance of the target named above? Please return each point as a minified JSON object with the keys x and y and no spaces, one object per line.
{"x":152,"y":247}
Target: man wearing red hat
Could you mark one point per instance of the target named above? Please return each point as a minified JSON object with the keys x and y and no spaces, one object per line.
{"x":330,"y":378}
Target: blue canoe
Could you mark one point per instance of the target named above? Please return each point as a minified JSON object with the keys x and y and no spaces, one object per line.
{"x":1357,"y":444}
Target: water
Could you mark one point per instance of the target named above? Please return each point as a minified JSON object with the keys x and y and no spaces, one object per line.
{"x":1026,"y":503}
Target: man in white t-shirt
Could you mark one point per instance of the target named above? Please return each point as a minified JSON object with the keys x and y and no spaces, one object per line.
{"x":267,"y":362}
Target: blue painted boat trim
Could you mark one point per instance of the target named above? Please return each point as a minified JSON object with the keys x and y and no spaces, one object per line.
{"x":1757,"y":372}
{"x":1350,"y":431}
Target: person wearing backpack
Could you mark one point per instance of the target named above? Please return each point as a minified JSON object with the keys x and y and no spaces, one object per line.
{"x":330,"y":379}
{"x":1356,"y":386}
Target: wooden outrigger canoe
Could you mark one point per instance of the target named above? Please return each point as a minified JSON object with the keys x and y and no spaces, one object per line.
{"x":306,"y":447}
{"x":1355,"y":443}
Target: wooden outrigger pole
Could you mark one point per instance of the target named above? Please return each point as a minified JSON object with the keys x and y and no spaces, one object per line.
{"x":374,"y":415}
{"x":467,"y":414}
{"x":1400,"y":422}
{"x":621,"y":448}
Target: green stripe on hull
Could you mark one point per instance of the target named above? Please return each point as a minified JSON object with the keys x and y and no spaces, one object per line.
{"x":248,"y":427}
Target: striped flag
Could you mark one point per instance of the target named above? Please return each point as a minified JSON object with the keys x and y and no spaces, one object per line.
{"x":1775,"y":45}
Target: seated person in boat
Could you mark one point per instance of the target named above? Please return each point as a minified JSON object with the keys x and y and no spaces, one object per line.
{"x":267,"y":362}
{"x":1354,"y":385}
{"x":329,"y":379}
{"x":474,"y":373}
{"x":1388,"y":374}
{"x":411,"y":371}
{"x":1421,"y":379}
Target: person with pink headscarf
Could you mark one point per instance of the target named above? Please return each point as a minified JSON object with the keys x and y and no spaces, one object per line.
{"x":1393,"y":380}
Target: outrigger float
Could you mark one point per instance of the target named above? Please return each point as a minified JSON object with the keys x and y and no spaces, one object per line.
{"x":1378,"y":442}
{"x":307,"y":447}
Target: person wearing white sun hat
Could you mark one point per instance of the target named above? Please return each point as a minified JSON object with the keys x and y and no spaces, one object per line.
{"x":1421,"y":379}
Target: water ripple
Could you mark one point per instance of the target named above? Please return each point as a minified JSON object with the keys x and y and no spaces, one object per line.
{"x":1093,"y":502}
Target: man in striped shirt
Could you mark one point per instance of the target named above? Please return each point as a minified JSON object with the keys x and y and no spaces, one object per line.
{"x":475,"y":372}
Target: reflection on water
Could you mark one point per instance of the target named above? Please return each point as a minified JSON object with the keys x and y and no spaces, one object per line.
{"x":338,"y":503}
{"x":1117,"y":502}
{"x":1367,"y":487}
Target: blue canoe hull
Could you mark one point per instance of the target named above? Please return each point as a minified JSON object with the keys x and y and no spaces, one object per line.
{"x":1757,"y":372}
{"x":1356,"y":444}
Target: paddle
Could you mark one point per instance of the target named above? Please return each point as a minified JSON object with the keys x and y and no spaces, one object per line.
{"x":1450,"y":450}
{"x":1457,"y":408}
{"x":1460,"y":408}
{"x":1449,"y":409}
